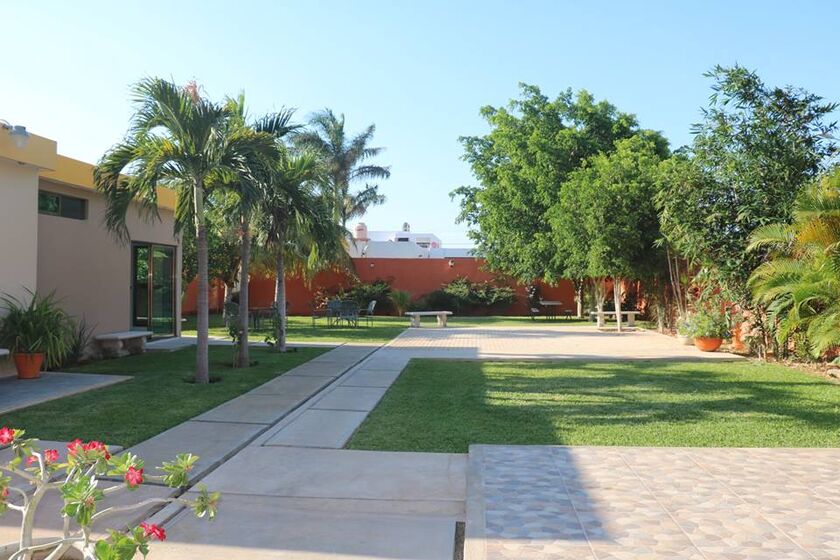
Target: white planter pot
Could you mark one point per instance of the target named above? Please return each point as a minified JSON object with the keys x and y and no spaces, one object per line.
{"x":6,"y":551}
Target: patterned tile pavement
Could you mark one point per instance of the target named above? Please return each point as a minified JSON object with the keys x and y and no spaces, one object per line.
{"x":622,"y":503}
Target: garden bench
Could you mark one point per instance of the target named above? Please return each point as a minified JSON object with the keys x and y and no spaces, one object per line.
{"x":601,"y":317}
{"x":114,"y":345}
{"x":440,"y":315}
{"x":3,"y":352}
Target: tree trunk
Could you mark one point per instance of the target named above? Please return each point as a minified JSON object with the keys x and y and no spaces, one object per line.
{"x":228,"y":299}
{"x":280,"y":300}
{"x":202,"y":362}
{"x":599,"y":290}
{"x":579,"y":297}
{"x":617,"y":300}
{"x":243,"y":358}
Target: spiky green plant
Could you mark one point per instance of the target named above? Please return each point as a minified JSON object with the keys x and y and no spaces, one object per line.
{"x":800,"y":283}
{"x":37,"y":326}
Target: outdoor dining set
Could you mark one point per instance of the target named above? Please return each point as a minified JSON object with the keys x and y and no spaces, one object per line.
{"x":338,"y":312}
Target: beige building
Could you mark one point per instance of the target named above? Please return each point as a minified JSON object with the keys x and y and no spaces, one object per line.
{"x":52,"y":238}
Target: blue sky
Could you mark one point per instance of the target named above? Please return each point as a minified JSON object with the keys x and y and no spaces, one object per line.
{"x":419,"y":70}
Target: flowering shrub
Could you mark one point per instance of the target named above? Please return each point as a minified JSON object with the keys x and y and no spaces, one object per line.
{"x":77,"y":479}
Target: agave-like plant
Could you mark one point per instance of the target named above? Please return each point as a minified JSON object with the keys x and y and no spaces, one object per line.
{"x":800,"y":283}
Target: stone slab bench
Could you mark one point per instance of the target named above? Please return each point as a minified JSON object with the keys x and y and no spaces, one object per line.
{"x":601,"y":316}
{"x":3,"y":352}
{"x":440,"y":315}
{"x":114,"y":345}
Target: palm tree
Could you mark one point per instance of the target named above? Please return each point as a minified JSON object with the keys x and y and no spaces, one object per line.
{"x":247,"y":186}
{"x":344,"y":161}
{"x":800,"y":283}
{"x":181,"y":140}
{"x":296,"y":227}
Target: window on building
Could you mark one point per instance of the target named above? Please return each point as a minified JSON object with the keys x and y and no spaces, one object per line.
{"x":62,"y":205}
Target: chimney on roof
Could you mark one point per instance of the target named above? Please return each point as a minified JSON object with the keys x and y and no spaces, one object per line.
{"x":406,"y":227}
{"x":360,"y":233}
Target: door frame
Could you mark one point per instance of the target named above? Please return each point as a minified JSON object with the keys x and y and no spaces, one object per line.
{"x":151,"y":246}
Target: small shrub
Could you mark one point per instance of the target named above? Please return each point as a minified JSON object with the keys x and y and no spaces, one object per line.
{"x":80,"y":339}
{"x":400,"y":299}
{"x":709,"y":324}
{"x":478,"y":296}
{"x":363,"y":293}
{"x":437,"y":300}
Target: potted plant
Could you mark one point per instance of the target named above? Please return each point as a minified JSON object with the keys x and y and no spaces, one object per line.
{"x":709,"y":328}
{"x":37,"y":333}
{"x":684,"y":331}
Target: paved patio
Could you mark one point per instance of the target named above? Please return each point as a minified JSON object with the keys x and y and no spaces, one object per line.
{"x":19,"y":393}
{"x":542,"y":343}
{"x":597,"y":503}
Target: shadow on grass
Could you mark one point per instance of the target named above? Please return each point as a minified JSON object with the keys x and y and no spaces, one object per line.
{"x":439,"y":405}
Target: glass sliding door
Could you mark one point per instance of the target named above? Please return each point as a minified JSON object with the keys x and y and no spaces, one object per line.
{"x":153,"y":288}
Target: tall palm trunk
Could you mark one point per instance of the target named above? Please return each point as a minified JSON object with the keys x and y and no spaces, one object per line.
{"x":243,"y":358}
{"x":280,"y":298}
{"x":202,"y":361}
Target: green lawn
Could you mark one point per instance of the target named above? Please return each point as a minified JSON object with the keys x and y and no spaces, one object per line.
{"x":444,"y":406}
{"x":158,"y":397}
{"x":381,"y":330}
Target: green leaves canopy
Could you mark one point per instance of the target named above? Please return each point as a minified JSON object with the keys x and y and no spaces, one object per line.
{"x":521,"y":165}
{"x":753,"y":152}
{"x":606,"y":223}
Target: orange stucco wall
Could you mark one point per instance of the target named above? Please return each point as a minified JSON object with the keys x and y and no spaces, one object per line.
{"x":416,"y":276}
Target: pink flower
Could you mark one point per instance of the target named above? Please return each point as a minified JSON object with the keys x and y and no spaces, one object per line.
{"x":4,"y":494}
{"x":134,"y":477}
{"x":74,"y":446}
{"x":97,"y":446}
{"x":31,"y":459}
{"x":152,"y":530}
{"x":7,"y":435}
{"x":51,"y":455}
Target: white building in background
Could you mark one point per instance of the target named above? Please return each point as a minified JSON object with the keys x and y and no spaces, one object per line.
{"x":402,"y":244}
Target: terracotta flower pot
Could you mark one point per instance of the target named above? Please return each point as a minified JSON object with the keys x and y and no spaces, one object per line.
{"x":28,"y":365}
{"x":707,"y":344}
{"x":737,"y":342}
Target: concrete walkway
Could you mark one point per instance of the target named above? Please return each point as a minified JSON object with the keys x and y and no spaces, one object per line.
{"x":222,"y":431}
{"x":19,"y":393}
{"x":294,"y":493}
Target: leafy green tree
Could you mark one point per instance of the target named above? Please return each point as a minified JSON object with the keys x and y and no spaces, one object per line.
{"x":346,"y":162}
{"x":800,"y":283}
{"x":181,"y":140}
{"x":295,"y":226}
{"x":615,"y":227}
{"x":754,"y":150}
{"x":521,"y":165}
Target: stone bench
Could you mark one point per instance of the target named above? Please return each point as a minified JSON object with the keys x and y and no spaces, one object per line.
{"x":440,"y":315}
{"x":3,"y":352}
{"x":601,"y":315}
{"x":114,"y":345}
